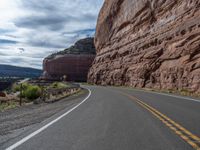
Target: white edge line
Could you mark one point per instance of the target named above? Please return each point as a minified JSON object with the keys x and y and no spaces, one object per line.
{"x":46,"y":126}
{"x":180,"y":97}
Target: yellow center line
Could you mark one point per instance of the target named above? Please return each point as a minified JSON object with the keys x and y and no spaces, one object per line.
{"x":183,"y":133}
{"x":194,"y":137}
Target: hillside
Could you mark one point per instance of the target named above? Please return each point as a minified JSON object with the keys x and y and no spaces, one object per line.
{"x":14,"y":71}
{"x":83,"y":46}
{"x":148,"y":44}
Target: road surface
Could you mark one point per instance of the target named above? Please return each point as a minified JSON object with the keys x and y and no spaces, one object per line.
{"x":120,"y":119}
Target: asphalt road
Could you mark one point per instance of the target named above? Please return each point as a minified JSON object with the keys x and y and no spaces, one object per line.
{"x":120,"y":119}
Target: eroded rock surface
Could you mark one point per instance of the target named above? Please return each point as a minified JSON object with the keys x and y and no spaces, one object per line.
{"x":148,"y":43}
{"x":73,"y":62}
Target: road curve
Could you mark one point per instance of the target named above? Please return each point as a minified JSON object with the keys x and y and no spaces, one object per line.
{"x":123,"y":119}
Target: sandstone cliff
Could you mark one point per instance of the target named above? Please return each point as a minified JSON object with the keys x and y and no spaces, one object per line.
{"x":148,"y":43}
{"x":74,"y":62}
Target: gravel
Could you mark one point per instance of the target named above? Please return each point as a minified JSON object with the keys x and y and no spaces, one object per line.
{"x":18,"y":119}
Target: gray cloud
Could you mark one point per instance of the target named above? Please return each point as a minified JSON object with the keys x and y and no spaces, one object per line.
{"x":85,"y":31}
{"x":5,"y":41}
{"x":51,"y":23}
{"x":2,"y":31}
{"x":3,"y":54}
{"x":54,"y":15}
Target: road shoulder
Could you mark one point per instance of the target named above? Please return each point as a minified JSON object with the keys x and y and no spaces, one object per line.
{"x":16,"y":123}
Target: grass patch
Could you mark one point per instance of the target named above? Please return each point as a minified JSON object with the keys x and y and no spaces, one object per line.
{"x":9,"y":105}
{"x":59,"y":85}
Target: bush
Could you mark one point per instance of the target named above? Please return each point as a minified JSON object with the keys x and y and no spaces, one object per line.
{"x":55,"y":85}
{"x":16,"y":88}
{"x":59,"y":85}
{"x":32,"y":92}
{"x":25,"y":86}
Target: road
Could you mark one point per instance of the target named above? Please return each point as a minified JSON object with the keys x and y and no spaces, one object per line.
{"x":112,"y":118}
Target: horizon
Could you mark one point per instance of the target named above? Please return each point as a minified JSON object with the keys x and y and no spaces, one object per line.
{"x":53,"y":25}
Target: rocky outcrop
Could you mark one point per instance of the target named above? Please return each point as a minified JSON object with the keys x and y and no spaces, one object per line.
{"x":73,"y":62}
{"x":148,"y":43}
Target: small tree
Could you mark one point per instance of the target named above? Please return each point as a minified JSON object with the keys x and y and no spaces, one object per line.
{"x":32,"y":92}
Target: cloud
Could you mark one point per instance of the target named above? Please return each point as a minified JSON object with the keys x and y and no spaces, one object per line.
{"x":55,"y":15}
{"x":4,"y":41}
{"x":42,"y":27}
{"x":3,"y":54}
{"x":88,"y":32}
{"x":51,"y":23}
{"x":3,"y":31}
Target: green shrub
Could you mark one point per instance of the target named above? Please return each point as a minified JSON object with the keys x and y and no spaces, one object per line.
{"x":16,"y":88}
{"x":58,"y":85}
{"x":54,"y":85}
{"x":25,"y":86}
{"x":32,"y":92}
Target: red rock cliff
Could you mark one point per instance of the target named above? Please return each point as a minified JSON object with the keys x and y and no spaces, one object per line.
{"x":148,"y":43}
{"x":73,"y":62}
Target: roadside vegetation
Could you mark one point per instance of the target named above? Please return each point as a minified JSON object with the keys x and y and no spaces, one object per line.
{"x":28,"y":91}
{"x":10,"y":105}
{"x":59,"y":85}
{"x":25,"y":93}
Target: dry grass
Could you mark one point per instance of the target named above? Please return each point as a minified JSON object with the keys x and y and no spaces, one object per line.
{"x":8,"y":105}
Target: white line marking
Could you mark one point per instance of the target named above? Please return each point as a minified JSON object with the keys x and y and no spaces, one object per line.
{"x":187,"y":98}
{"x":46,"y":126}
{"x":181,"y":97}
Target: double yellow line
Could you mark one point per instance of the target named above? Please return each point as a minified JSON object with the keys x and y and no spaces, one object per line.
{"x":183,"y":133}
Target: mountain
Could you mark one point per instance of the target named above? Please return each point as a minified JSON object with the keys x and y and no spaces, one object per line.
{"x":14,"y":71}
{"x":82,"y":46}
{"x":73,"y":62}
{"x":148,"y":44}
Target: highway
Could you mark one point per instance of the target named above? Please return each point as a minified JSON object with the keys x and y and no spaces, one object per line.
{"x":111,"y":118}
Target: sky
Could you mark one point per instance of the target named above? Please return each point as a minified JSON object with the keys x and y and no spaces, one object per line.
{"x":33,"y":29}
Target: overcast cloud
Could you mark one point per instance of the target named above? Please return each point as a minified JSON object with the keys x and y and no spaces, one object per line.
{"x":32,"y":29}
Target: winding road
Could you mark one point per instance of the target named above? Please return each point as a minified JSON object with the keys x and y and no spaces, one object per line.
{"x":112,"y":118}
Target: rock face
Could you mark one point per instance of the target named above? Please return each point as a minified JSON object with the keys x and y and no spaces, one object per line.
{"x":148,"y":43}
{"x":73,"y":62}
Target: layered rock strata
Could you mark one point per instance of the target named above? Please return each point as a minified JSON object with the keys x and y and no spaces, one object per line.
{"x":73,"y":63}
{"x":148,"y":43}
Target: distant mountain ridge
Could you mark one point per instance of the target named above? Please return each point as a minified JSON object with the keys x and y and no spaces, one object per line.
{"x":14,"y":71}
{"x":83,"y":46}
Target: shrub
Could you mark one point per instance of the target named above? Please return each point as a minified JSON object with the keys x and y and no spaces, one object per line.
{"x":55,"y":85}
{"x":25,"y":86}
{"x":16,"y":88}
{"x":59,"y":85}
{"x":32,"y":92}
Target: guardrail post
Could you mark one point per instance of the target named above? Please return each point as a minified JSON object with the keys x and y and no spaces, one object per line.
{"x":20,"y":99}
